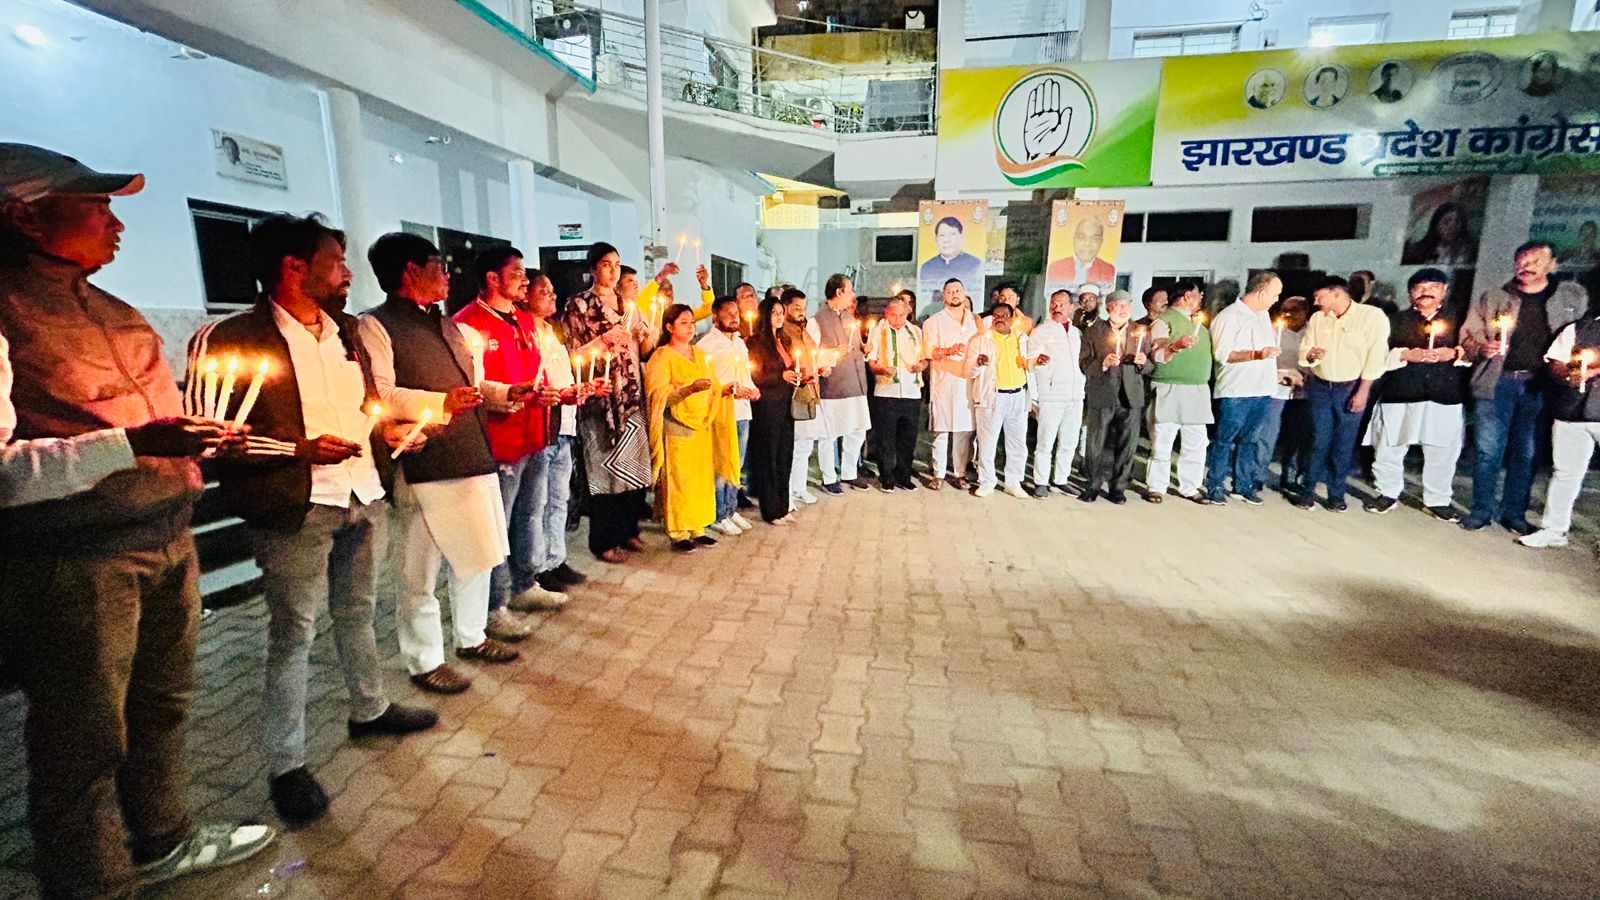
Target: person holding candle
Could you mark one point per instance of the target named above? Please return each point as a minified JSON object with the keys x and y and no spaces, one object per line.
{"x":844,"y":411}
{"x":1508,"y":380}
{"x":896,"y":359}
{"x":313,"y":499}
{"x":774,"y":372}
{"x":1287,"y":434}
{"x":551,"y":468}
{"x":1088,"y":306}
{"x":693,"y":440}
{"x":1055,"y":393}
{"x":447,"y":494}
{"x":1573,"y":360}
{"x":997,"y":374}
{"x":724,"y":346}
{"x":1420,"y":400}
{"x":511,"y":354}
{"x":944,"y":340}
{"x":1245,"y":347}
{"x":1006,"y":292}
{"x":1346,"y":347}
{"x":812,"y":363}
{"x":1181,"y":349}
{"x":1113,"y":365}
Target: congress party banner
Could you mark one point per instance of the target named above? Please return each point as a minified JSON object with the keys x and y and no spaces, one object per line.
{"x":1566,"y":212}
{"x":1084,"y":239}
{"x":1084,"y":125}
{"x":952,"y":242}
{"x":1518,"y":104}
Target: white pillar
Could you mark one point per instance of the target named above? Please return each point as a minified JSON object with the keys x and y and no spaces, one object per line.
{"x":952,"y":33}
{"x":524,"y":211}
{"x":1094,"y":42}
{"x":341,"y":120}
{"x":1507,"y":220}
{"x":657,"y":128}
{"x":1547,"y":15}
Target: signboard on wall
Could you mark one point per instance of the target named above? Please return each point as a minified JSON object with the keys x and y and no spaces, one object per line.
{"x":1084,"y":239}
{"x":952,"y":242}
{"x":248,"y":159}
{"x":1516,"y":104}
{"x":1090,"y":124}
{"x":1566,"y":212}
{"x":572,"y":231}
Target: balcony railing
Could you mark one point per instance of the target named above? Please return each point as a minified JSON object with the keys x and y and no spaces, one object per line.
{"x":738,"y":78}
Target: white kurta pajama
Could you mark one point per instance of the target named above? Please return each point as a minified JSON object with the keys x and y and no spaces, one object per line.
{"x":845,"y":422}
{"x":1396,"y":427}
{"x":949,"y":406}
{"x":998,"y":414}
{"x":1055,"y":390}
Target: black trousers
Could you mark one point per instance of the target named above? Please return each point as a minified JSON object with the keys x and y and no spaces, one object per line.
{"x":894,"y":436}
{"x":1108,"y":454}
{"x":771,"y":450}
{"x":1294,"y":442}
{"x":613,"y":519}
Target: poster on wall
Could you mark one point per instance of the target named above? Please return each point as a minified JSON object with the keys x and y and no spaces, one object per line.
{"x":952,"y":242}
{"x":1566,"y":212}
{"x":248,"y":159}
{"x":1517,"y":104}
{"x":1086,"y":125}
{"x":1084,"y":239}
{"x":1445,"y":223}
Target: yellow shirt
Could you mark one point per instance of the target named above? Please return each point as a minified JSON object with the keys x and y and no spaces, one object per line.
{"x":1355,"y":345}
{"x":1008,"y":374}
{"x":647,"y":301}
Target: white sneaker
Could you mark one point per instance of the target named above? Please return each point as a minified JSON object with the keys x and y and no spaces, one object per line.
{"x":983,"y":492}
{"x":536,"y":598}
{"x":741,"y":521}
{"x":805,"y":497}
{"x":503,"y":625}
{"x":728,"y":528}
{"x":1017,"y":492}
{"x":1543,"y":538}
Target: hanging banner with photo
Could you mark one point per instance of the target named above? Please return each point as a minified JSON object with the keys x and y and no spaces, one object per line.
{"x":1518,"y":104}
{"x":1444,"y":225}
{"x":952,"y":242}
{"x":1084,"y":125}
{"x":1566,"y":212}
{"x":1084,"y":239}
{"x":248,"y":159}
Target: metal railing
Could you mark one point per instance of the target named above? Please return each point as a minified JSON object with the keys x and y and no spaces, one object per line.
{"x":738,"y":78}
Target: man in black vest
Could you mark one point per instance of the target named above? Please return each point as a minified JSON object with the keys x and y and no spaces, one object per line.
{"x":1574,"y":361}
{"x":310,"y":489}
{"x":1420,"y":398}
{"x":99,"y":580}
{"x":447,"y":494}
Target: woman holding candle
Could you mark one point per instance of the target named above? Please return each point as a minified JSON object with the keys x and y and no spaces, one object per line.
{"x":693,"y":439}
{"x":773,"y":370}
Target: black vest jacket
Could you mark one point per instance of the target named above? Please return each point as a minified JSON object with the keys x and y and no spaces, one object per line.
{"x":431,"y":355}
{"x":1441,"y":382}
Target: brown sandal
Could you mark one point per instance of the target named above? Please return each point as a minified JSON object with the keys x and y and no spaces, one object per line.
{"x":443,"y":680}
{"x":615,"y":556}
{"x":490,"y":651}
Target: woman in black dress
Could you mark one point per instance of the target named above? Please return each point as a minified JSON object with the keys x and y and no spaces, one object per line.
{"x":771,"y":447}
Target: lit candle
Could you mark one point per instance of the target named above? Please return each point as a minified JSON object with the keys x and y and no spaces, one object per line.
{"x":678,"y":254}
{"x":251,"y":393}
{"x":1585,"y":357}
{"x":1119,"y":345}
{"x":1434,"y":328}
{"x":411,"y":436}
{"x":1504,"y":322}
{"x":605,"y":371}
{"x":697,"y":253}
{"x":590,"y":364}
{"x":1199,"y":325}
{"x":750,"y":319}
{"x":1277,"y":325}
{"x":871,"y":324}
{"x":577,"y":367}
{"x":208,"y":399}
{"x":221,"y":408}
{"x":630,"y":315}
{"x":374,"y":412}
{"x":1138,"y":346}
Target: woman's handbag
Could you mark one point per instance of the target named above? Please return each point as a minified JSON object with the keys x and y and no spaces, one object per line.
{"x":803,"y":407}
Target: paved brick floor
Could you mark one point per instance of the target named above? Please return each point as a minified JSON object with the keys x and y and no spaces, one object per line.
{"x":934,"y":695}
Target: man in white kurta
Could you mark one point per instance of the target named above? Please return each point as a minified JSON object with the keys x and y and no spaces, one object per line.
{"x":944,"y":339}
{"x":1055,"y":392}
{"x":844,"y":410}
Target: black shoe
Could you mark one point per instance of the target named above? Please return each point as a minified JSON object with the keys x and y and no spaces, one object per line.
{"x":1252,"y":498}
{"x":1089,"y":496}
{"x":1444,"y":513}
{"x":569,"y":575}
{"x":907,"y":485}
{"x":1067,"y":489}
{"x":550,"y":581}
{"x":1518,"y":527}
{"x":1117,"y":497}
{"x":833,"y":488}
{"x":682,"y":546}
{"x":396,"y":719}
{"x":887,"y":487}
{"x":1475,"y":522}
{"x":1380,"y":505}
{"x":1337,"y":505}
{"x":706,"y":540}
{"x":297,"y":797}
{"x":1302,"y":499}
{"x":745,"y":502}
{"x":860,"y":484}
{"x":1041,"y":491}
{"x":1216,"y":498}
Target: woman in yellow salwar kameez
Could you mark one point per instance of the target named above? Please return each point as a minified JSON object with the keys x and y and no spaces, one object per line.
{"x":693,"y":439}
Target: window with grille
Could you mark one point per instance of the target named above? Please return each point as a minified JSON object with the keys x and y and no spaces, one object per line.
{"x":1483,"y":23}
{"x":1193,"y":42}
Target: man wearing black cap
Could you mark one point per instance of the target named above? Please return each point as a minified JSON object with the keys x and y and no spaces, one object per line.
{"x":99,"y":580}
{"x":1421,"y":395}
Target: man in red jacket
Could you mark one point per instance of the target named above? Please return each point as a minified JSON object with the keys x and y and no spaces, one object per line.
{"x":510,"y":351}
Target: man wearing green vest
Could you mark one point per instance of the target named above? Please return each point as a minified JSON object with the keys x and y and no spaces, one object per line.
{"x":1182,"y":379}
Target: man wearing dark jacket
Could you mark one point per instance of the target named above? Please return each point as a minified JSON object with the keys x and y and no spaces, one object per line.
{"x":1113,"y":363}
{"x":309,"y":488}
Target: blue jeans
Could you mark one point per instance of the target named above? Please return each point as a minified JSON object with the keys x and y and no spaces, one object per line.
{"x":516,"y":495}
{"x":1504,"y":431}
{"x":1267,"y":437}
{"x":1334,"y":429}
{"x":1236,"y":450}
{"x":551,"y":472}
{"x":728,"y":494}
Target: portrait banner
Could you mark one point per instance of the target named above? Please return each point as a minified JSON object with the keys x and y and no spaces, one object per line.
{"x":1084,"y":239}
{"x":1445,"y":223}
{"x":1566,"y":212}
{"x":952,"y":242}
{"x":248,"y":159}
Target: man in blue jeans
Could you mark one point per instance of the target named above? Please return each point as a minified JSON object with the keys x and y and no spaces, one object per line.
{"x":550,"y":469}
{"x":1506,"y":333}
{"x":1346,"y":348}
{"x":1246,"y":350}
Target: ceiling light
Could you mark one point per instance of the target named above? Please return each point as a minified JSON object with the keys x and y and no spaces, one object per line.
{"x":397,"y":159}
{"x":30,"y":35}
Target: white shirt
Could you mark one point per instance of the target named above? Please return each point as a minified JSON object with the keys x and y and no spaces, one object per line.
{"x":407,"y":404}
{"x":730,"y":362}
{"x":899,"y":349}
{"x":332,"y":392}
{"x":42,"y":469}
{"x":556,"y":367}
{"x":1238,"y":327}
{"x":1060,"y":380}
{"x":1560,"y":350}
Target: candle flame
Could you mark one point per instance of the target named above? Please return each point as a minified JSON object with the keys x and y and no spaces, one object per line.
{"x":375,"y":410}
{"x":427,"y":414}
{"x":1504,"y":321}
{"x":264,"y":366}
{"x":211,"y":366}
{"x":1588,"y":357}
{"x":233,"y":364}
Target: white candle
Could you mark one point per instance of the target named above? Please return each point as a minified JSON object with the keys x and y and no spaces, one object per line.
{"x":1139,"y":347}
{"x":1119,"y":346}
{"x":1278,"y":327}
{"x":411,"y":436}
{"x":1433,"y":333}
{"x":1583,"y":370}
{"x":577,"y":366}
{"x":208,"y":399}
{"x":374,"y":412}
{"x":605,"y":371}
{"x":590,"y":370}
{"x":697,"y":253}
{"x":1505,"y":323}
{"x":220,"y":410}
{"x":251,"y":393}
{"x":678,"y":254}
